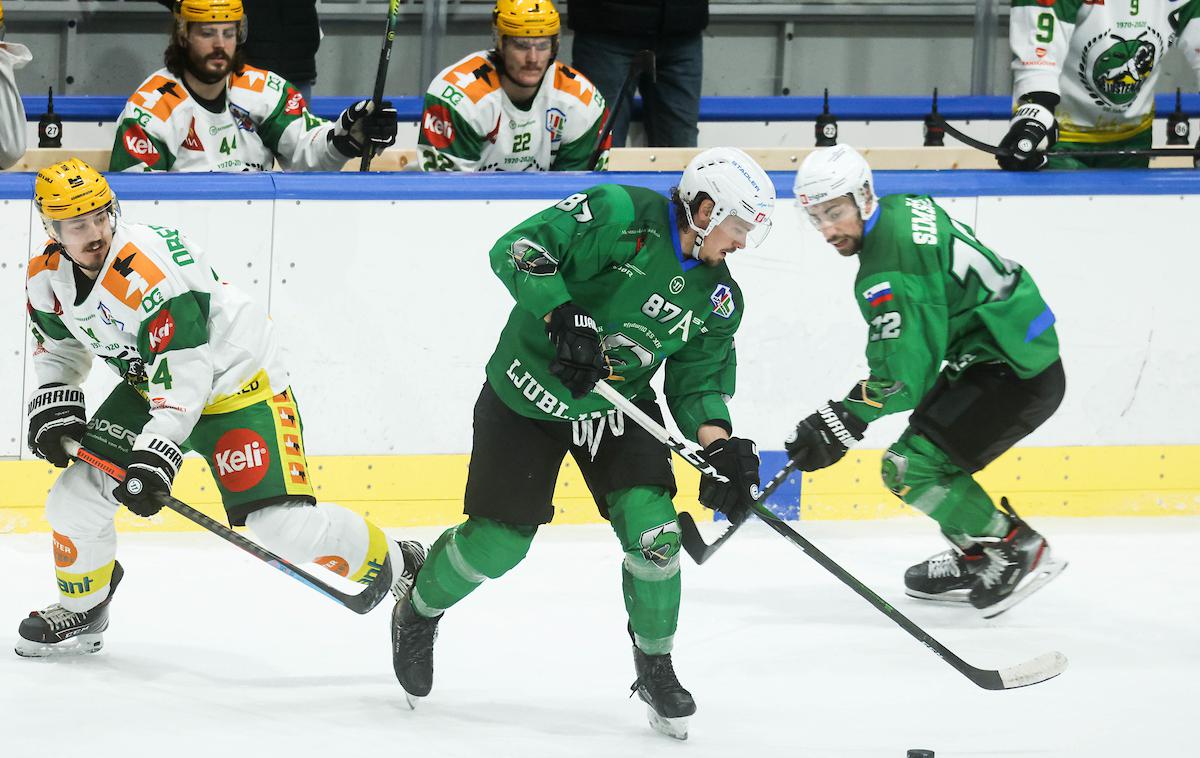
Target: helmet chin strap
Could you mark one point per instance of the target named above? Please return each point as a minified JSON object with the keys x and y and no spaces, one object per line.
{"x":700,"y":233}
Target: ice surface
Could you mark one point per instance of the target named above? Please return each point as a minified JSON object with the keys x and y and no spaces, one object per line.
{"x":211,"y":651}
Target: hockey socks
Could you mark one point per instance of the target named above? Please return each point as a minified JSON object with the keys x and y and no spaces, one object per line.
{"x":644,"y":520}
{"x":463,"y":557}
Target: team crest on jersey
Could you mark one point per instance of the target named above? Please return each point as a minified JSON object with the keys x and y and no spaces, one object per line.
{"x":878,"y":295}
{"x":556,"y":120}
{"x":107,"y":317}
{"x":722,"y":300}
{"x":241,"y":117}
{"x":532,"y":258}
{"x":660,"y":544}
{"x":1118,"y":74}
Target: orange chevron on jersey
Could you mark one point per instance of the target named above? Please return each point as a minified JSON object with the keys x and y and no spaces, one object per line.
{"x":475,"y":76}
{"x":251,"y":78}
{"x":160,"y":95}
{"x":566,"y":80}
{"x":131,"y":276}
{"x":47,"y":261}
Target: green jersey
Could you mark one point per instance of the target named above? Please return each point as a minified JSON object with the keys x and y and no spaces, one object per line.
{"x":931,"y":293}
{"x":614,"y":251}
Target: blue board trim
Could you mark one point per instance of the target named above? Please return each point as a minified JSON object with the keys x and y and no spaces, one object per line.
{"x":714,"y":108}
{"x":498,"y":186}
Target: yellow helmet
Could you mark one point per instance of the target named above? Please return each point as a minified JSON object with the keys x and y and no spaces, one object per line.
{"x":525,"y":18}
{"x":1,"y":19}
{"x":209,"y":11}
{"x":69,"y":189}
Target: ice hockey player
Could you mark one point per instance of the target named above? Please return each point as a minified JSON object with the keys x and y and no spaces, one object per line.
{"x":202,"y":371}
{"x":515,"y":107}
{"x":207,"y":110}
{"x":959,"y":336}
{"x":619,"y":277}
{"x":1084,"y":74}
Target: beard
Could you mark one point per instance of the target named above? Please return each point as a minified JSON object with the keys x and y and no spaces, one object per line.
{"x":201,"y":72}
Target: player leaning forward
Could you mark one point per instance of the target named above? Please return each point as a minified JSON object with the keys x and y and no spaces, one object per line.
{"x":201,"y":370}
{"x":623,"y":277}
{"x":207,"y":110}
{"x":961,"y":337}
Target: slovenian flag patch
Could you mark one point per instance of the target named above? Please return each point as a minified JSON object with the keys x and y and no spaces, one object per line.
{"x":879,"y":294}
{"x":722,"y":300}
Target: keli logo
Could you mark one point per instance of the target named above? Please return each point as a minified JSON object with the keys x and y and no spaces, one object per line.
{"x":139,"y":145}
{"x":437,"y":127}
{"x":295,"y":103}
{"x":241,"y":459}
{"x":161,"y":330}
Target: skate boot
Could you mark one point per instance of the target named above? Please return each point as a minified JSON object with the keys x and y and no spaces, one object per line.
{"x":1014,"y":567}
{"x":946,"y":577}
{"x":413,"y":635}
{"x":55,"y":631}
{"x":406,"y":575}
{"x":668,"y":704}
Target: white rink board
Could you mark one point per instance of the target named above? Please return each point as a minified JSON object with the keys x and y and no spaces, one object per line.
{"x":388,"y":311}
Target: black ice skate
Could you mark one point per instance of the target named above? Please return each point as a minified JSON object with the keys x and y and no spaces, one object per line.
{"x":946,"y":577}
{"x":55,"y":631}
{"x":413,"y":635}
{"x":1015,"y":567}
{"x":668,"y":704}
{"x":406,"y":575}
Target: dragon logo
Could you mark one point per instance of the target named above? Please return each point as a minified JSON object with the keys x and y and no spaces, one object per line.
{"x":1118,"y":73}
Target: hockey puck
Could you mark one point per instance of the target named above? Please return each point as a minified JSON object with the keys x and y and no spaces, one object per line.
{"x":919,"y":753}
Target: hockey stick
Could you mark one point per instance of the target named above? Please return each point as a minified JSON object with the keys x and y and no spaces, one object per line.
{"x":364,"y":601}
{"x":643,"y":62}
{"x":385,"y":57}
{"x":1045,"y":666}
{"x":1003,"y":152}
{"x":693,"y":541}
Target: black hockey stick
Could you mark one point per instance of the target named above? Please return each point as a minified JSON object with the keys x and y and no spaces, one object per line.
{"x":693,"y":541}
{"x":364,"y":601}
{"x":385,"y":57}
{"x":643,"y":62}
{"x":1045,"y":666}
{"x":1004,"y":152}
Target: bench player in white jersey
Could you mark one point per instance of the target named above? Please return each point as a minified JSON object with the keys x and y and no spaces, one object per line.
{"x":1084,"y":74}
{"x":207,"y":110}
{"x":202,"y":371}
{"x":516,"y":107}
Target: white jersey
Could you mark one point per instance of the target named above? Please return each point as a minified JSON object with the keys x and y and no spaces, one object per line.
{"x":12,"y":111}
{"x":1101,"y":58}
{"x":260,"y":118}
{"x":158,"y":314}
{"x":470,"y":124}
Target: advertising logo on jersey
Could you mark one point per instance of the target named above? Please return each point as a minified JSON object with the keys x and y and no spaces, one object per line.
{"x":160,"y":330}
{"x":437,"y":128}
{"x":878,"y":295}
{"x":193,"y":142}
{"x":722,"y":300}
{"x":556,"y":122}
{"x":241,"y":117}
{"x":65,"y":551}
{"x":137,"y":143}
{"x":241,"y":459}
{"x":295,"y":103}
{"x":131,"y":276}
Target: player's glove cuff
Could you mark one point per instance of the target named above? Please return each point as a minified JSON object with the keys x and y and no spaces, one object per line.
{"x":154,"y":462}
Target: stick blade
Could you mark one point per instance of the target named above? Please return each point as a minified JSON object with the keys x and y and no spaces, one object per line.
{"x":689,"y":536}
{"x":1046,"y":666}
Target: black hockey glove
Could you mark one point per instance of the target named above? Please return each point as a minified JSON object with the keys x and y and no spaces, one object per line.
{"x":55,"y":413}
{"x":1031,"y":133}
{"x":361,"y":127}
{"x":153,"y":465}
{"x":824,"y":437}
{"x":578,"y":355}
{"x":737,"y":460}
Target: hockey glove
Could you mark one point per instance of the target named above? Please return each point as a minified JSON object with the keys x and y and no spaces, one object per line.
{"x":153,"y":465}
{"x":578,"y":355}
{"x":824,"y":437}
{"x":1031,"y":132}
{"x":362,"y":127}
{"x":55,"y":413}
{"x":737,"y":460}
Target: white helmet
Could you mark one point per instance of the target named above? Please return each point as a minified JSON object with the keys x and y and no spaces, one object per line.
{"x":830,"y":172}
{"x":738,"y":187}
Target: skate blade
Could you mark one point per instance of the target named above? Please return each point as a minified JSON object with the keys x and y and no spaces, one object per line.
{"x":1034,"y":582}
{"x":412,"y":700}
{"x":84,"y":644}
{"x":676,"y":728}
{"x":953,"y":597}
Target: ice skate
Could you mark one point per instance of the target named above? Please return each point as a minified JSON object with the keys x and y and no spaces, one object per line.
{"x":1014,"y":568}
{"x":413,"y":635}
{"x":946,"y":577}
{"x":406,"y":574}
{"x":55,"y":631}
{"x":668,"y":704}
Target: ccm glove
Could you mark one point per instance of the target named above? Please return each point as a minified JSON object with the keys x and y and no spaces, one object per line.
{"x":578,"y":355}
{"x":824,"y":437}
{"x":1031,"y":133}
{"x":154,"y":463}
{"x":362,"y":127}
{"x":55,"y":413}
{"x":737,"y":460}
